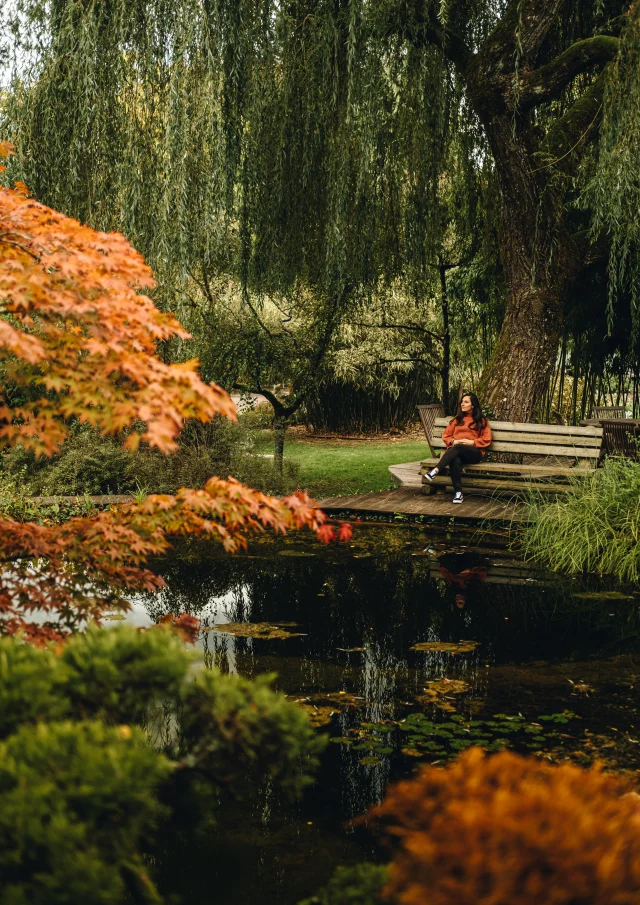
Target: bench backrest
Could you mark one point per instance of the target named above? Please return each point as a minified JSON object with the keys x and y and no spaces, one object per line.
{"x":558,"y":440}
{"x":428,"y":415}
{"x":609,"y":411}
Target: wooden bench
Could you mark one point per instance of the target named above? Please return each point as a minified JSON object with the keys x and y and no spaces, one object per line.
{"x":621,"y":437}
{"x":540,"y":456}
{"x":428,"y":415}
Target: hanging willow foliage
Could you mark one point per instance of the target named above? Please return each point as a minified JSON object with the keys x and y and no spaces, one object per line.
{"x":214,"y":132}
{"x":283,"y":141}
{"x":615,"y":189}
{"x":305,"y":142}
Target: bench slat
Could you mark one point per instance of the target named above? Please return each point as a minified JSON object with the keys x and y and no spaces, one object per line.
{"x":513,"y":437}
{"x":471,"y":483}
{"x":508,"y":468}
{"x":561,"y":429}
{"x":535,"y":449}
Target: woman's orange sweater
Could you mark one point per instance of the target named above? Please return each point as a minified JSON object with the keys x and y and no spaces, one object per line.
{"x":454,"y":431}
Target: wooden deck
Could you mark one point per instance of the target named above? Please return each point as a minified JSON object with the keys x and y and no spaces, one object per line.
{"x":412,"y":501}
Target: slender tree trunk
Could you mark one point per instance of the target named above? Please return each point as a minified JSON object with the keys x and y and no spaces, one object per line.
{"x":279,"y":429}
{"x":446,"y":337}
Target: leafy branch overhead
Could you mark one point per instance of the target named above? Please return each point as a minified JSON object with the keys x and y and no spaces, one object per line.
{"x":81,"y":334}
{"x":79,"y":343}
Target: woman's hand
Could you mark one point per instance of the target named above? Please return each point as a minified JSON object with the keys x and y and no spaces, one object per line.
{"x":464,"y":442}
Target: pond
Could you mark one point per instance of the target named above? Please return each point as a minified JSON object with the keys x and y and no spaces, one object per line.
{"x":406,"y":646}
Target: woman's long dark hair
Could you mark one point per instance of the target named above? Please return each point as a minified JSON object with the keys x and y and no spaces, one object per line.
{"x":479,"y":421}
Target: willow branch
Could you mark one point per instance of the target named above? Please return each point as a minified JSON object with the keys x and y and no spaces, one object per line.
{"x":423,"y":27}
{"x":576,"y":128}
{"x":548,"y":82}
{"x":414,"y":327}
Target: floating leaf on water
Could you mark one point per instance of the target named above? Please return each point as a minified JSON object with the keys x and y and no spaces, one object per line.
{"x":370,"y":761}
{"x":602,"y":595}
{"x":351,"y":650}
{"x":321,"y":706}
{"x":318,"y":716}
{"x":411,"y":752}
{"x":341,"y":740}
{"x":446,"y":647}
{"x":563,"y":717}
{"x":257,"y":629}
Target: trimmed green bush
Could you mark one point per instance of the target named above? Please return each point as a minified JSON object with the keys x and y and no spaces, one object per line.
{"x":358,"y":885}
{"x":110,"y":734}
{"x":76,"y":800}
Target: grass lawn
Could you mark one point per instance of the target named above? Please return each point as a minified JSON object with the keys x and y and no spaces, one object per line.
{"x":342,"y":467}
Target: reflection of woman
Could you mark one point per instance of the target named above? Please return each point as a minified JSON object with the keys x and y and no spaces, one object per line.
{"x":464,"y":572}
{"x":466,"y":437}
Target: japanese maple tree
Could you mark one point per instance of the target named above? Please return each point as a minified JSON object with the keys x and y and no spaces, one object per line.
{"x":78,"y":341}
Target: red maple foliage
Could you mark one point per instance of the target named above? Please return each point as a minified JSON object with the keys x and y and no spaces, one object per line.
{"x":78,"y":341}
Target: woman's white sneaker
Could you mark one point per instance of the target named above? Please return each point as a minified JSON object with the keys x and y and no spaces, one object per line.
{"x":430,"y":475}
{"x":458,"y":498}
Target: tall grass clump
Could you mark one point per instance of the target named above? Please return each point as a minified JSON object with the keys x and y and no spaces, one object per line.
{"x":594,"y":527}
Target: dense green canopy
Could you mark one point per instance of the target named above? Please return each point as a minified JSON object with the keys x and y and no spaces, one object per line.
{"x":312,"y":142}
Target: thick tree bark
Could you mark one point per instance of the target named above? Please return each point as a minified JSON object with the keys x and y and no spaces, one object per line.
{"x":539,"y":263}
{"x":539,"y":258}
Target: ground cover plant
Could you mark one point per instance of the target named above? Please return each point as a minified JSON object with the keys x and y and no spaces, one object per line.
{"x":594,"y":527}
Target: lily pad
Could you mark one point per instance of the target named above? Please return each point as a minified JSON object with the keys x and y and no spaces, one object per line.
{"x":370,"y":761}
{"x":602,"y":595}
{"x":446,"y":647}
{"x":322,"y":705}
{"x":351,"y":650}
{"x":440,"y":691}
{"x":318,"y":715}
{"x":257,"y":629}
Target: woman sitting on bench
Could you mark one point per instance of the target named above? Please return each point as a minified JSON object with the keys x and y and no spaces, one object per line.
{"x":466,"y":437}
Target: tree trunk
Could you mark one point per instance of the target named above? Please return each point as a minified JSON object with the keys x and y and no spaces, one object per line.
{"x":517,"y":374}
{"x":279,"y":429}
{"x":538,"y":261}
{"x":446,"y":338}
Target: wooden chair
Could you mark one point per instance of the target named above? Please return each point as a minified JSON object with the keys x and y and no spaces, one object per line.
{"x":620,"y":438}
{"x":565,"y":451}
{"x":609,"y":411}
{"x":428,"y":415}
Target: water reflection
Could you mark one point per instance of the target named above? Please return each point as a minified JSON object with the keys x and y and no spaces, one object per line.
{"x":360,"y":611}
{"x":465,"y":572}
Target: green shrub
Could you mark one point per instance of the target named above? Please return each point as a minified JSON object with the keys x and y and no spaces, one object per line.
{"x":89,"y":463}
{"x":595,"y":527}
{"x":76,"y":800}
{"x":119,"y":675}
{"x":359,"y":885}
{"x":30,"y":686}
{"x":81,"y":788}
{"x":229,"y":720}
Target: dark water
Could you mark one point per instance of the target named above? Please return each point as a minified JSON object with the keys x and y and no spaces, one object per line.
{"x":554,"y":672}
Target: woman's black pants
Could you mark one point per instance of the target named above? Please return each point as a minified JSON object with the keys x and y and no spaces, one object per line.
{"x":454,"y":458}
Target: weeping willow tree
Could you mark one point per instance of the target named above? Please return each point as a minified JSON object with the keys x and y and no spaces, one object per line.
{"x":302,"y":142}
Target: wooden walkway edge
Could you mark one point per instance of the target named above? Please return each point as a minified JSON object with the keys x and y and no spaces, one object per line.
{"x":412,"y":501}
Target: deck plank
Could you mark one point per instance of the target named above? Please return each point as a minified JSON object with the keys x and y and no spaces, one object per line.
{"x":412,"y":501}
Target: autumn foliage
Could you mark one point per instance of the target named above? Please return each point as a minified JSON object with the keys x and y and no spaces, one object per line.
{"x":78,"y":341}
{"x":503,"y":829}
